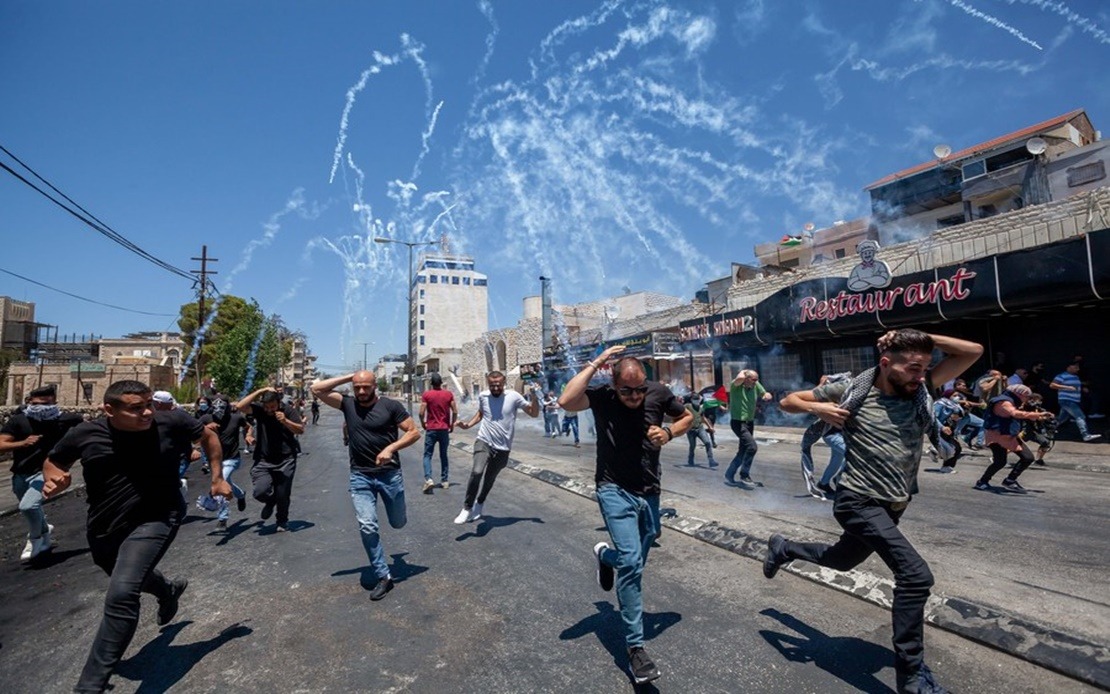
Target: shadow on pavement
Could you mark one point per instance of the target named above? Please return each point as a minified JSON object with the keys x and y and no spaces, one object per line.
{"x":53,"y":558}
{"x":849,"y":659}
{"x":265,"y":528}
{"x":160,"y":665}
{"x":487,"y":523}
{"x":400,"y":570}
{"x":606,"y":624}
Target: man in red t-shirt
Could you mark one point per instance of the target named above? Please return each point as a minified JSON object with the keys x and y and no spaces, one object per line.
{"x":438,"y":413}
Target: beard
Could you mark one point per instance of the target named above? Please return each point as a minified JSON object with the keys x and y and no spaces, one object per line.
{"x":906,"y":390}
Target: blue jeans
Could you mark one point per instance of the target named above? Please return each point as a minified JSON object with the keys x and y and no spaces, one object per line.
{"x":633,"y":524}
{"x":745,"y":453}
{"x":837,"y":447}
{"x":229,"y":467}
{"x":551,"y":424}
{"x":695,"y":435}
{"x":365,"y":490}
{"x":1071,"y":410}
{"x":28,"y":489}
{"x":569,"y":423}
{"x":970,"y":420}
{"x":431,"y":437}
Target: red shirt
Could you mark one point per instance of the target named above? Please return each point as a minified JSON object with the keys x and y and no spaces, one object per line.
{"x":437,"y":408}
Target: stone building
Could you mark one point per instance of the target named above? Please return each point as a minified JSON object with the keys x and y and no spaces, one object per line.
{"x":162,"y":348}
{"x":82,"y":383}
{"x":18,"y":331}
{"x":449,"y":308}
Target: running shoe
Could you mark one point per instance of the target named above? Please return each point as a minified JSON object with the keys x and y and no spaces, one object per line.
{"x":982,"y":486}
{"x":429,"y":485}
{"x":167,"y":607}
{"x":1092,"y":437}
{"x":641,"y":666}
{"x":445,"y":484}
{"x":604,"y":571}
{"x":1012,"y":485}
{"x":748,"y":480}
{"x":267,"y":511}
{"x":241,"y":503}
{"x":776,"y":557}
{"x":382,"y":587}
{"x":475,"y":513}
{"x":464,"y":516}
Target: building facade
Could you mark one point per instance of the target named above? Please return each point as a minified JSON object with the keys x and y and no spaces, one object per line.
{"x":449,"y":307}
{"x":18,"y":330}
{"x":82,"y":383}
{"x":162,"y":348}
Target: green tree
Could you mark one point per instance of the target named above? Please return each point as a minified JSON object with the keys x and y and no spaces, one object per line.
{"x":231,"y":311}
{"x":230,"y":359}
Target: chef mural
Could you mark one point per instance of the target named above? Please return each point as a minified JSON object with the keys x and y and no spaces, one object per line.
{"x":870,"y":273}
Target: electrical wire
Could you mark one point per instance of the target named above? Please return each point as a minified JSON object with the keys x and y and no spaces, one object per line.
{"x":75,"y":296}
{"x":87,"y":217}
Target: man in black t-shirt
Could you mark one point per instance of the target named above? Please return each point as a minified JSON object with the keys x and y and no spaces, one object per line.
{"x":277,"y":426}
{"x":372,"y":429}
{"x":228,"y":423}
{"x":630,"y":433}
{"x":29,"y":435}
{"x":130,"y":460}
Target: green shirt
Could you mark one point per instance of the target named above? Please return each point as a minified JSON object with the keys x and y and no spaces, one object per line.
{"x":742,"y":401}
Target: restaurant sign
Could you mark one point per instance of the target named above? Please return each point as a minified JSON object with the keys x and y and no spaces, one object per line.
{"x":843,"y":304}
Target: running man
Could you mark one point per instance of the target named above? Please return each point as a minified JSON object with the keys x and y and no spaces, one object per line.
{"x":372,"y":424}
{"x":277,"y":425}
{"x":130,"y":459}
{"x":497,"y":416}
{"x":884,"y":413}
{"x":228,"y":422}
{"x":630,"y":433}
{"x":745,"y":393}
{"x":438,"y":414}
{"x":29,"y":435}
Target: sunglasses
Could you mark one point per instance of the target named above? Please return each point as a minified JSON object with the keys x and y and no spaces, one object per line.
{"x":626,"y":391}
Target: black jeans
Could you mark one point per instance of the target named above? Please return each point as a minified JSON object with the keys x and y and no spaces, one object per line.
{"x":745,"y":453}
{"x":273,"y":484}
{"x":129,"y":557}
{"x":998,"y":456}
{"x":870,"y":526}
{"x":488,"y":462}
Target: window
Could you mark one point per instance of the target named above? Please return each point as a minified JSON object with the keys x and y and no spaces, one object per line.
{"x":421,"y":340}
{"x":840,"y":252}
{"x":479,"y":283}
{"x":422,"y":309}
{"x":420,"y":280}
{"x":421,"y":293}
{"x":466,"y":281}
{"x":421,"y":325}
{"x":1078,"y":175}
{"x":974,"y":169}
{"x":454,"y":280}
{"x":443,"y":278}
{"x":840,"y":359}
{"x":435,"y":279}
{"x":953,"y":220}
{"x":780,"y":372}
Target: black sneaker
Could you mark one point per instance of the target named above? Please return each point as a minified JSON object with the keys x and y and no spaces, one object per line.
{"x":221,"y":526}
{"x":748,"y":480}
{"x":1040,"y":463}
{"x":383,"y":586}
{"x":982,"y":486}
{"x":826,"y":489}
{"x":641,"y":666}
{"x":604,"y":571}
{"x":167,"y":607}
{"x":776,"y":546}
{"x":267,"y":511}
{"x":281,"y":528}
{"x":206,"y":469}
{"x":1012,"y":485}
{"x":241,"y":503}
{"x":921,"y":682}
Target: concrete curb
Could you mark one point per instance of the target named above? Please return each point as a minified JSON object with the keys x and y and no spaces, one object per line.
{"x":1039,"y":644}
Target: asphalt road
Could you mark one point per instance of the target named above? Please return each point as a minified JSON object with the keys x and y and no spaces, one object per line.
{"x":508,"y":604}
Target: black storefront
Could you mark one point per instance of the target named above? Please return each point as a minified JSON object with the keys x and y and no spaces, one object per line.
{"x":1047,"y":303}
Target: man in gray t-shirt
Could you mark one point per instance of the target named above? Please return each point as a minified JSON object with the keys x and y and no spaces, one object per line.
{"x":496,"y":418}
{"x":884,"y":414}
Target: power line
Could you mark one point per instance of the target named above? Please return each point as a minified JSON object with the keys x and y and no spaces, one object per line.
{"x":75,"y":296}
{"x":87,"y":217}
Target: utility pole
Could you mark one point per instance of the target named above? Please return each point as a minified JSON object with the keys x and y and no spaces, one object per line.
{"x":203,"y":272}
{"x":365,"y":364}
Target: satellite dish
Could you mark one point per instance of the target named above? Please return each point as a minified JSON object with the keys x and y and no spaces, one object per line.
{"x":1036,"y":145}
{"x":942,"y":151}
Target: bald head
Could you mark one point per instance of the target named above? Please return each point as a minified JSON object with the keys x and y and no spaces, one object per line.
{"x":365,"y":384}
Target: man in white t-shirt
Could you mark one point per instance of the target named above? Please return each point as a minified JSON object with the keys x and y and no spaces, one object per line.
{"x":497,"y":415}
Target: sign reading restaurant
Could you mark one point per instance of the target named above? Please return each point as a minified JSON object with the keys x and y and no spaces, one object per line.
{"x":844,"y":304}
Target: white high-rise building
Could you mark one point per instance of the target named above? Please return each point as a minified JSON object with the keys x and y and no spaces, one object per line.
{"x":449,"y":309}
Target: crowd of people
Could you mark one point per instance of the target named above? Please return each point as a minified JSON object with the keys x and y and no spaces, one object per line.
{"x":876,"y":423}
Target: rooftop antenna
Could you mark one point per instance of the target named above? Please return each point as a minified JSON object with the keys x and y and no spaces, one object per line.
{"x":941,"y":152}
{"x":1036,"y":145}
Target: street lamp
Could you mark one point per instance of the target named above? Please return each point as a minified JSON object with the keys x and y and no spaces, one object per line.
{"x":409,"y":367}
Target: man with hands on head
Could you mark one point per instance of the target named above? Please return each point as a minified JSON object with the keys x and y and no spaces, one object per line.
{"x":372,"y":429}
{"x":130,"y":461}
{"x":277,"y":425}
{"x":629,"y":416}
{"x":884,"y":414}
{"x":745,"y":392}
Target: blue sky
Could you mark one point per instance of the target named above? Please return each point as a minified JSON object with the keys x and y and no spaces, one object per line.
{"x":606,"y":145}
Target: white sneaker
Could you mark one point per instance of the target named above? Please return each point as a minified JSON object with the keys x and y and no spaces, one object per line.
{"x":1092,"y":437}
{"x":27,"y":549}
{"x":31,"y":549}
{"x":464,"y":516}
{"x":428,"y":486}
{"x":39,"y":546}
{"x":46,"y":535}
{"x":475,"y":513}
{"x":445,"y":484}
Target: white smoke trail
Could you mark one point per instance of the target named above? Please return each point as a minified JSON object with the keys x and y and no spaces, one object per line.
{"x":1084,"y":24}
{"x":994,"y":21}
{"x":380,"y":62}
